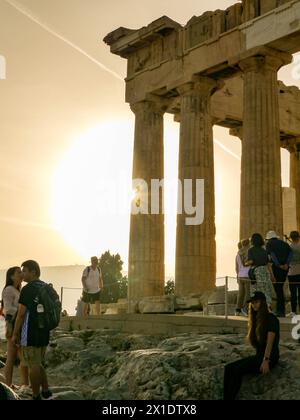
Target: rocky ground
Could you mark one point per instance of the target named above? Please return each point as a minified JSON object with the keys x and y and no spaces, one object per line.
{"x":108,"y":365}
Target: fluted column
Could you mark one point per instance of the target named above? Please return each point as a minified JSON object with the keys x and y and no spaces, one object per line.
{"x":196,"y":245}
{"x":294,"y":149}
{"x":261,"y":187}
{"x":146,"y":248}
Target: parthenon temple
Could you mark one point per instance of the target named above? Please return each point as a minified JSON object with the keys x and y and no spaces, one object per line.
{"x":220,"y":68}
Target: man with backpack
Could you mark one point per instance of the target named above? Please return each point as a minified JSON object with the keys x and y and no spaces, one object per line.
{"x":92,"y":285}
{"x":38,"y":313}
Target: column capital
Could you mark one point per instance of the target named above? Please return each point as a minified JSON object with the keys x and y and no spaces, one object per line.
{"x":271,"y":60}
{"x":152,"y":103}
{"x":292,"y":145}
{"x":237,"y":132}
{"x":201,"y":85}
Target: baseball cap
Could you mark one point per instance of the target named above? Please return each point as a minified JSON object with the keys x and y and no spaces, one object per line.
{"x":257,"y":296}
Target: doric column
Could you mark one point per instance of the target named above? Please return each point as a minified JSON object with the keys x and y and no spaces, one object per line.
{"x":196,"y":246}
{"x":294,"y":149}
{"x":261,"y":187}
{"x":146,"y":248}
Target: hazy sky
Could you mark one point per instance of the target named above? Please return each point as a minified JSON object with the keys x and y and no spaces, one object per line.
{"x":65,"y":133}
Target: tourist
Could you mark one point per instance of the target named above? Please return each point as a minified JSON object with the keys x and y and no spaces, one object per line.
{"x":92,"y":285}
{"x":258,"y":260}
{"x":281,"y":254}
{"x":79,"y":310}
{"x":243,"y":278}
{"x":9,"y":304}
{"x":294,"y":273}
{"x":32,"y":337}
{"x":264,"y":336}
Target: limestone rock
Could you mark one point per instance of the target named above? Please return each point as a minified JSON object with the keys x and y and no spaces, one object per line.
{"x":118,"y":366}
{"x":6,"y":393}
{"x":68,"y":395}
{"x":70,"y":344}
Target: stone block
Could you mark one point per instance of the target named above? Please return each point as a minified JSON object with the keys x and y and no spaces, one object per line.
{"x":157,"y":305}
{"x":218,"y":296}
{"x":219,"y":309}
{"x":267,"y":5}
{"x":233,"y":16}
{"x":250,"y":9}
{"x":116,"y":308}
{"x":187,"y":303}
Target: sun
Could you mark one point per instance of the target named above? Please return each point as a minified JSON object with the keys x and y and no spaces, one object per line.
{"x":91,"y":190}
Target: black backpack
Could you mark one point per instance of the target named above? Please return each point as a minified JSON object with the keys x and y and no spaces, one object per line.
{"x":48,"y":319}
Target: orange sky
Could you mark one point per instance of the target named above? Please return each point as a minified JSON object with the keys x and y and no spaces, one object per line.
{"x":53,"y":95}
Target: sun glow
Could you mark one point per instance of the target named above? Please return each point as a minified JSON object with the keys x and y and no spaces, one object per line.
{"x":92,"y":190}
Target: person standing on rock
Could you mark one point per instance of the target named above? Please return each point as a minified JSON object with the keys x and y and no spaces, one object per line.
{"x":32,"y":337}
{"x":92,"y":285}
{"x":243,"y":278}
{"x":264,"y":336}
{"x":258,"y":260}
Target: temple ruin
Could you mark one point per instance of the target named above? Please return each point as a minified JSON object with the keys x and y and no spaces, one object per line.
{"x":220,"y":68}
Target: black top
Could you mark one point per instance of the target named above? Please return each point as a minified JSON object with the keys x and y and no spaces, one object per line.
{"x":31,"y":335}
{"x":273,"y":325}
{"x":280,"y":250}
{"x":259,"y":256}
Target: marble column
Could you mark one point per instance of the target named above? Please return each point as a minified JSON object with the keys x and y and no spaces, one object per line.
{"x":196,"y":245}
{"x":146,"y":248}
{"x":261,"y":186}
{"x":294,"y":149}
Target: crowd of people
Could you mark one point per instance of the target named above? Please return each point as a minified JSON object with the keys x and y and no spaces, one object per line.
{"x":265,"y":265}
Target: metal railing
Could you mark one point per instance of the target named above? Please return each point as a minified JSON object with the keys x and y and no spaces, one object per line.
{"x":228,"y":282}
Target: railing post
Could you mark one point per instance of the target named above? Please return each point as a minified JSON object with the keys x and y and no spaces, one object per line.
{"x":61,"y":296}
{"x":226,"y":298}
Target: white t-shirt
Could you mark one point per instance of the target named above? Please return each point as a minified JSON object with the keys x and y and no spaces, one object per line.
{"x":243,"y":272}
{"x":10,"y":297}
{"x":92,"y":280}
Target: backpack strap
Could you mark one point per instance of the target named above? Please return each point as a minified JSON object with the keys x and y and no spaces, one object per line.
{"x":89,"y":269}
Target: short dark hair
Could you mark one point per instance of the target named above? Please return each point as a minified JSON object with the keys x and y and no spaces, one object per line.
{"x":257,"y":240}
{"x":32,"y":266}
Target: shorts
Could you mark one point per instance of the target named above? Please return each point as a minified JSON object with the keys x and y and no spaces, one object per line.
{"x":91,"y":297}
{"x":32,"y":356}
